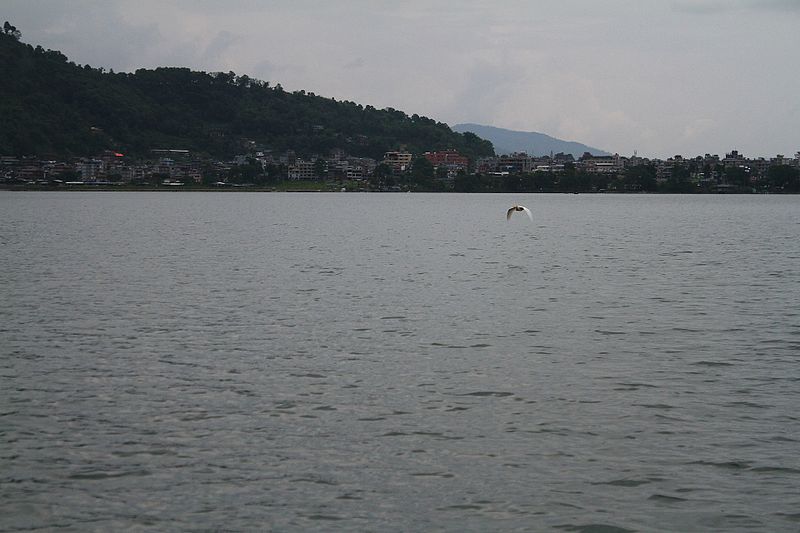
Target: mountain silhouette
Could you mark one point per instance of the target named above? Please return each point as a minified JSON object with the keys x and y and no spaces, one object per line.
{"x":531,"y":142}
{"x":51,"y":106}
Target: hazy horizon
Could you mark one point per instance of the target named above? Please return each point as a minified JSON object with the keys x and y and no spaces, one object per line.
{"x":661,"y":78}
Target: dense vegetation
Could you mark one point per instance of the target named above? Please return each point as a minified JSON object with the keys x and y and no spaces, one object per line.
{"x":52,"y":106}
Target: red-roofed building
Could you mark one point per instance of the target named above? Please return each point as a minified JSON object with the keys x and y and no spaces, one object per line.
{"x":448,"y":158}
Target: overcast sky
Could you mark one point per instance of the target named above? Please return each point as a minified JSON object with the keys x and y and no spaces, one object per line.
{"x":661,"y":77}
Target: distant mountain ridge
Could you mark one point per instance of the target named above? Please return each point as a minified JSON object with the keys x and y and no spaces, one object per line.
{"x":52,"y":106}
{"x":531,"y":142}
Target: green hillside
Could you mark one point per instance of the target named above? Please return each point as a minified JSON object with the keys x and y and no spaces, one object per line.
{"x":51,"y":106}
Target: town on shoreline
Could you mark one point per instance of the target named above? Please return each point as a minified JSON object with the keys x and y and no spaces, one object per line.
{"x":400,"y":171}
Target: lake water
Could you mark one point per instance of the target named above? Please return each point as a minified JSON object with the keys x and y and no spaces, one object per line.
{"x":399,"y":362}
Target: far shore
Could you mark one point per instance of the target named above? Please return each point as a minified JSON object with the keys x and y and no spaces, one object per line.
{"x":319,"y":187}
{"x":163,"y":188}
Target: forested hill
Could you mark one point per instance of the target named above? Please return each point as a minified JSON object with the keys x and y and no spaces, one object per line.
{"x":51,"y":106}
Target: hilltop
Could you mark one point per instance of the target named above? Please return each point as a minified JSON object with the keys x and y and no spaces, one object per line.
{"x":531,"y":142}
{"x":52,"y":106}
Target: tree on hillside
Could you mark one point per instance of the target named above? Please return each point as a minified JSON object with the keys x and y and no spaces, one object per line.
{"x":50,"y":105}
{"x":320,"y":168}
{"x":738,"y":176}
{"x":422,"y":174}
{"x":381,"y":177}
{"x":640,"y":178}
{"x":8,"y":29}
{"x":679,"y":181}
{"x":784,"y":178}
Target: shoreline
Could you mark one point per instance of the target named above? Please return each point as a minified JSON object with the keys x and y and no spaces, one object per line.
{"x":124,"y":188}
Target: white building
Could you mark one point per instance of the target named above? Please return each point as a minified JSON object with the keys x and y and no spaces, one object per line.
{"x":301,"y":170}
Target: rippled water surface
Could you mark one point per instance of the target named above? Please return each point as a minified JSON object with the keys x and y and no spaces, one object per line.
{"x":368,"y":362}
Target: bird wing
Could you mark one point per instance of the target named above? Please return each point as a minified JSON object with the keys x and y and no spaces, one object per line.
{"x":508,"y":215}
{"x":527,"y":212}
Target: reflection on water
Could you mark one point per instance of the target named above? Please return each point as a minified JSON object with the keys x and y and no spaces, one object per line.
{"x":398,"y":362}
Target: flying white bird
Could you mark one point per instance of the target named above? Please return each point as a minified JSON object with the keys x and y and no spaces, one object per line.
{"x":519,"y":208}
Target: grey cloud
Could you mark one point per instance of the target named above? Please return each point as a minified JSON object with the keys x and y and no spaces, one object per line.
{"x":87,"y":32}
{"x":219,"y":45}
{"x":785,"y":5}
{"x":355,"y":63}
{"x":703,"y":6}
{"x":613,"y":73}
{"x":265,"y":70}
{"x":711,"y":7}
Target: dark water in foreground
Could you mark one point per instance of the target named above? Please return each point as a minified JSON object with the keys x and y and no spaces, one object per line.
{"x":367,"y":362}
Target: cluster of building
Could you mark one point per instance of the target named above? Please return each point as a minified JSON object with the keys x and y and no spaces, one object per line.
{"x":522,"y":163}
{"x":339,"y":166}
{"x":175,"y":167}
{"x":107,"y":168}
